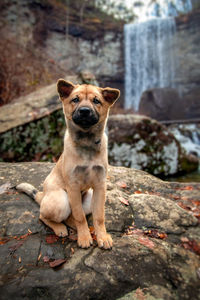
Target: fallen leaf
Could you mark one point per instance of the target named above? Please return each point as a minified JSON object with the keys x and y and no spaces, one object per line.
{"x":39,"y":256}
{"x":73,"y":237}
{"x":134,"y":231}
{"x":124,"y":201}
{"x":184,"y":239}
{"x":5,"y":187}
{"x":155,"y":234}
{"x":196,"y":202}
{"x":188,"y":188}
{"x":146,"y":242}
{"x":192,"y":245}
{"x":176,"y":197}
{"x":63,"y":240}
{"x":92,"y":231}
{"x":121,"y":184}
{"x":46,"y":259}
{"x":72,"y":251}
{"x":56,"y":262}
{"x":184,"y":198}
{"x":139,"y":294}
{"x":185,"y":188}
{"x":51,"y":239}
{"x":4,"y":240}
{"x":23,"y":236}
{"x":137,"y":192}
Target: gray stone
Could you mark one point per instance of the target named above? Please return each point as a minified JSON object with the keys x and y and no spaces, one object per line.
{"x":156,"y":211}
{"x":31,"y":107}
{"x":161,"y":104}
{"x":138,"y":266}
{"x":143,"y":143}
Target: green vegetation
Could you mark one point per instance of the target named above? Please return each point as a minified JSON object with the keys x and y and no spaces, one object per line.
{"x":40,"y":140}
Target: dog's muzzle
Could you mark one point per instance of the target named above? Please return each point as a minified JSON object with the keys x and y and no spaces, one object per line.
{"x":85,"y":117}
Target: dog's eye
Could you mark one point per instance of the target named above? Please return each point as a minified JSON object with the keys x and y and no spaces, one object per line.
{"x":75,"y":100}
{"x":96,"y":101}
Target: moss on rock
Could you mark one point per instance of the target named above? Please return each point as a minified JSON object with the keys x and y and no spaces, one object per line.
{"x":38,"y":140}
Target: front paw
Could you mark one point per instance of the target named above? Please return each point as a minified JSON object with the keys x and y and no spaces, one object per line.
{"x":85,"y":240}
{"x":104,"y":240}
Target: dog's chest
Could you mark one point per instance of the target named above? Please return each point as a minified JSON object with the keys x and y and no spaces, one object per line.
{"x":88,"y":175}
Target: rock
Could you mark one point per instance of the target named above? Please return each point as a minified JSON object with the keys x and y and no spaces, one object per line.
{"x":179,"y":83}
{"x":31,"y":107}
{"x":165,"y":104}
{"x":53,"y":40}
{"x":86,"y":77}
{"x":161,"y":104}
{"x":187,"y":56}
{"x":191,"y":104}
{"x":156,"y":211}
{"x":188,"y":136}
{"x":139,"y":266}
{"x":140,"y":142}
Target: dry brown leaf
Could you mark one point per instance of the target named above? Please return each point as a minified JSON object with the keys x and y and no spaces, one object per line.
{"x":121,"y":184}
{"x":46,"y":259}
{"x":56,"y":263}
{"x":4,"y":240}
{"x":137,"y":192}
{"x":146,"y":242}
{"x":124,"y":201}
{"x":52,"y":238}
{"x":39,"y":256}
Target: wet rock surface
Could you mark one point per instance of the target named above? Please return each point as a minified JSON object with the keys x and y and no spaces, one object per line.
{"x":154,"y":225}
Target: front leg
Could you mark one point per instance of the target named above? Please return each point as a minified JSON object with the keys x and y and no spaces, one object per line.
{"x":75,"y":199}
{"x":104,"y":240}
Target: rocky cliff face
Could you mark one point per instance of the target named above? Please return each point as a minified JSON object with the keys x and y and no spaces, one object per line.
{"x":187,"y":44}
{"x":182,"y":102}
{"x":45,"y":40}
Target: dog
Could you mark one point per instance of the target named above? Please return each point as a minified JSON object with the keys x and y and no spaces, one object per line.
{"x":76,"y":185}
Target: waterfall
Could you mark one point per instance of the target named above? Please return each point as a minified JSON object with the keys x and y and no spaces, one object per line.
{"x":149,"y":55}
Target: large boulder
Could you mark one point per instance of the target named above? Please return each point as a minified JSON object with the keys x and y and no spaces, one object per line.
{"x":154,"y":225}
{"x":165,"y":104}
{"x":161,"y":104}
{"x":140,"y":142}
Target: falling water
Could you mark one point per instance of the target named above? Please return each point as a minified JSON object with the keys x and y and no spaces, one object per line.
{"x":149,"y":61}
{"x":149,"y":58}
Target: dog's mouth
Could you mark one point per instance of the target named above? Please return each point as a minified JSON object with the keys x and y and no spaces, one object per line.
{"x":85,"y":117}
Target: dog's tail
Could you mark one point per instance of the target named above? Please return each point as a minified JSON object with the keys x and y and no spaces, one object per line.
{"x":30,"y":190}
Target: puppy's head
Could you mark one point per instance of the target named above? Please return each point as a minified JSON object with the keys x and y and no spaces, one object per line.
{"x":86,"y":105}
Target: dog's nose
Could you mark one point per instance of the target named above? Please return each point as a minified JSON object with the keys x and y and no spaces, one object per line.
{"x":84,"y":111}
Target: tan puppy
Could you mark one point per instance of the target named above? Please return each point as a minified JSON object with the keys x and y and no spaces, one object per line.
{"x":77,"y":183}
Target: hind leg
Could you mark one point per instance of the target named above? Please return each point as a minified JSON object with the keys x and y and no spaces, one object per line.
{"x":54,"y":209}
{"x":58,"y":228}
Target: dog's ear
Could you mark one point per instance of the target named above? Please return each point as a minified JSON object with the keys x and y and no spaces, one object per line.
{"x":64,"y":88}
{"x":110,"y":95}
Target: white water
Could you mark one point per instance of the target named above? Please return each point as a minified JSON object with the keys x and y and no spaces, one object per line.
{"x":149,"y":56}
{"x":188,"y":136}
{"x":149,"y":62}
